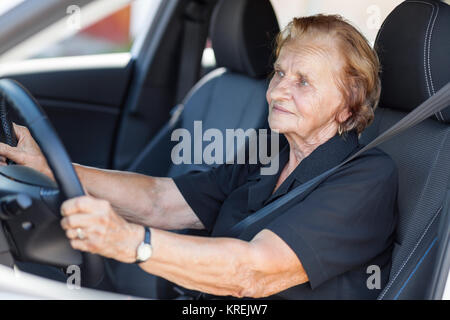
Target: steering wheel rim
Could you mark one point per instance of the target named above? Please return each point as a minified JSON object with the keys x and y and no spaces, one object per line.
{"x":36,"y":120}
{"x":45,"y":135}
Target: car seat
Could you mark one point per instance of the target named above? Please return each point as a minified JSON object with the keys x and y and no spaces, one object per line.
{"x":230,"y":97}
{"x":413,"y":45}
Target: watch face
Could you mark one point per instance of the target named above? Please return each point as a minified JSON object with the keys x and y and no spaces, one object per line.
{"x":144,"y":252}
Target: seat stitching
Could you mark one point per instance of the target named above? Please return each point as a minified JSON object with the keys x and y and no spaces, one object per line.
{"x":425,"y":45}
{"x":429,"y":54}
{"x":426,"y":51}
{"x":410,"y":255}
{"x":429,"y":174}
{"x":414,"y":211}
{"x":429,"y":50}
{"x":416,"y":267}
{"x":433,"y":166}
{"x":426,"y":54}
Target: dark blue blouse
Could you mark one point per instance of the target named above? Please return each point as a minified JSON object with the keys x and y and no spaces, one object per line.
{"x":339,"y":232}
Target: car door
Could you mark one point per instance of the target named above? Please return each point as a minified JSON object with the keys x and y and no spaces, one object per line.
{"x":87,"y":64}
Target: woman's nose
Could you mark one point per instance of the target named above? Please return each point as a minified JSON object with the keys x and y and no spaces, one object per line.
{"x":281,"y":90}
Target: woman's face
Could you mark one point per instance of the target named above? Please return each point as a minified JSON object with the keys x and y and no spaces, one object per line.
{"x":303,"y":97}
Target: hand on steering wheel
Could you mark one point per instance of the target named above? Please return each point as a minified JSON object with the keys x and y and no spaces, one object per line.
{"x":26,"y":153}
{"x":46,"y":155}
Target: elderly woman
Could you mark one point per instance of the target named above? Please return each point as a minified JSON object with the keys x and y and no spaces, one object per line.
{"x":335,"y":243}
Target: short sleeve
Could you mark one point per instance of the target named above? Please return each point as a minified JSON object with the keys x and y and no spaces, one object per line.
{"x":206,"y":191}
{"x":347,"y":221}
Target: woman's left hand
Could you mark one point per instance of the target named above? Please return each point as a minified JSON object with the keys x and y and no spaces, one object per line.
{"x":93,"y":226}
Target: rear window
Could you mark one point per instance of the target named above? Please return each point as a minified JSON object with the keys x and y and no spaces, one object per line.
{"x":100,"y":27}
{"x":366,"y":15}
{"x":7,"y":5}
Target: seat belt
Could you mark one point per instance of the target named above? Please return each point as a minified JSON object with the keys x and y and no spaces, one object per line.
{"x":247,"y":228}
{"x":166,"y":130}
{"x":175,"y":117}
{"x":194,"y":38}
{"x":196,"y":17}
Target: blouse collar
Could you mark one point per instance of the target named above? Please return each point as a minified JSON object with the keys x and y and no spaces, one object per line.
{"x":323,"y":158}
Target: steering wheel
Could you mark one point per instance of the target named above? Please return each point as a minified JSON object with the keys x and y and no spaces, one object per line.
{"x":29,"y":209}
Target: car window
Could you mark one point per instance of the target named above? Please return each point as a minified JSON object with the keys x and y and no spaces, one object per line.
{"x":208,"y":58}
{"x":366,"y":15}
{"x":101,"y":27}
{"x":8,"y":5}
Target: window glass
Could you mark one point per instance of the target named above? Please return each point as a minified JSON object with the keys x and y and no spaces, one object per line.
{"x":101,"y":27}
{"x":7,"y":5}
{"x":366,"y":15}
{"x":208,"y":58}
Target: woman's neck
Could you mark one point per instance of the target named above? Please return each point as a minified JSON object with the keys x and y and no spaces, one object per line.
{"x":301,"y":147}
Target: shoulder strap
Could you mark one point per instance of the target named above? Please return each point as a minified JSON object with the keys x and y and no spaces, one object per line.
{"x":195,"y":31}
{"x":248,"y":227}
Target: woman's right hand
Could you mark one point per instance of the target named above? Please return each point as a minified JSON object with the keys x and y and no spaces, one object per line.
{"x":26,"y":153}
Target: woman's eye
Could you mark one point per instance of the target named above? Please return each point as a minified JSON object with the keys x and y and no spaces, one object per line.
{"x":279,"y":73}
{"x":304,"y":83}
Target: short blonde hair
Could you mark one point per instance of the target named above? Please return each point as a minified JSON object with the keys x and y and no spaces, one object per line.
{"x":359,"y":79}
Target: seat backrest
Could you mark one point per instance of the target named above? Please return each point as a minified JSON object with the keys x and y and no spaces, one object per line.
{"x":413,"y":45}
{"x":230,"y":97}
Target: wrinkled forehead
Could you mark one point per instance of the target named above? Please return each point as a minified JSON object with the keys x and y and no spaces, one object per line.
{"x":313,"y":54}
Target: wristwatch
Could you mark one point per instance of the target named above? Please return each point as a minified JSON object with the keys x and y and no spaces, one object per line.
{"x":144,"y":250}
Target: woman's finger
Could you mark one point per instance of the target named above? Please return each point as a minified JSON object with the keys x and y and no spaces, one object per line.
{"x":12,"y":153}
{"x":78,"y":244}
{"x":72,"y":234}
{"x":82,"y":220}
{"x":6,"y":151}
{"x":79,"y":204}
{"x":20,"y":131}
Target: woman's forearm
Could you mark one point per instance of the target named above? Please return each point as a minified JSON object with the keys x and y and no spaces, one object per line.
{"x":220,"y":266}
{"x":138,"y":198}
{"x":125,"y":191}
{"x":225,"y":266}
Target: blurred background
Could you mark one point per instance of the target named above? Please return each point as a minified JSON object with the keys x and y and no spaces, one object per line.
{"x":113,"y":26}
{"x":109,"y":26}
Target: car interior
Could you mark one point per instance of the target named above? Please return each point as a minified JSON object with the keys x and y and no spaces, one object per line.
{"x":120,"y":114}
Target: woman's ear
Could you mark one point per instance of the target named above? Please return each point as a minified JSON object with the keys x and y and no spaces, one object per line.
{"x":343,"y":115}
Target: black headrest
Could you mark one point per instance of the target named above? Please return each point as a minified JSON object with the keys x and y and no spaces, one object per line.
{"x":414,"y":49}
{"x":242,"y":34}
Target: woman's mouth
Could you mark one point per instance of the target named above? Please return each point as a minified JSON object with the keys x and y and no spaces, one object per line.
{"x":280,"y":109}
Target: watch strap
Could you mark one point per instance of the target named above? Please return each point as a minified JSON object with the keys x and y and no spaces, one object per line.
{"x":147,"y":238}
{"x":147,"y":235}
